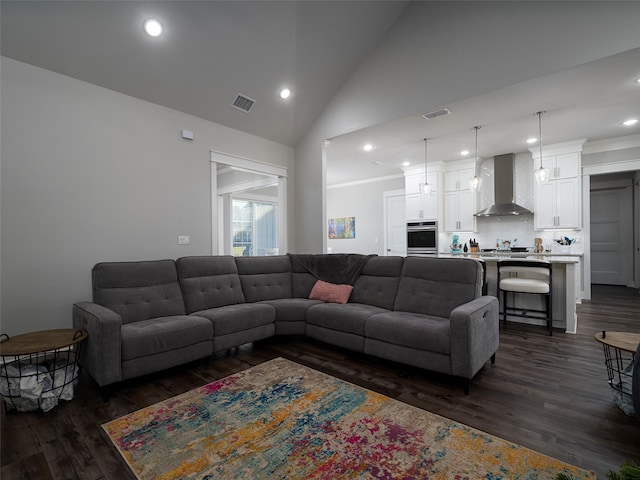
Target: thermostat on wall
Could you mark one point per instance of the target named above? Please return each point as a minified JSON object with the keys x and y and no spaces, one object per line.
{"x":187,"y":134}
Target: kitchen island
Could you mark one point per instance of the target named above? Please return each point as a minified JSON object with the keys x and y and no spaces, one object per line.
{"x":565,"y":271}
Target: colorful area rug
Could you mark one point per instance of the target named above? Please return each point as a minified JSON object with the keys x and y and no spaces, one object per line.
{"x":281,"y":420}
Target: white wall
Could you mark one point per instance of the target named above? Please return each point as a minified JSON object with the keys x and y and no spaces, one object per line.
{"x":441,"y":52}
{"x":91,"y":175}
{"x":364,"y":202}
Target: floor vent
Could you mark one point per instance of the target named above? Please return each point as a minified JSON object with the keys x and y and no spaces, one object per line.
{"x":243,"y":103}
{"x":437,"y":113}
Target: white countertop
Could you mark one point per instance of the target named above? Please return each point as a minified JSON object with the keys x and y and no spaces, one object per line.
{"x":495,"y":256}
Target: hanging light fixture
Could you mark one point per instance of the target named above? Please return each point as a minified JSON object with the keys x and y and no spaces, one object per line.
{"x":541,"y":174}
{"x":425,"y":187}
{"x":475,"y":181}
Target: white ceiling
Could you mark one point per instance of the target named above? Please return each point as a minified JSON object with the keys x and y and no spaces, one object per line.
{"x":586,"y":102}
{"x":210,"y":51}
{"x":213,"y":50}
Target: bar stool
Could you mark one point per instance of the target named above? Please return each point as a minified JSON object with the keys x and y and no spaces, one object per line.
{"x":485,"y":288}
{"x":525,"y":276}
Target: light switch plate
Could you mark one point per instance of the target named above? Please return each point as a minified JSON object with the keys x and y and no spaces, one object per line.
{"x":183,"y":240}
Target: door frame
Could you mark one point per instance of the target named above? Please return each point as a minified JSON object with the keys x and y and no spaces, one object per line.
{"x":218,"y":213}
{"x":385,"y":195}
{"x":599,"y":169}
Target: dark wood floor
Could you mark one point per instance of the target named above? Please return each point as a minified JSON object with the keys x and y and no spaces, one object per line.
{"x":547,"y":393}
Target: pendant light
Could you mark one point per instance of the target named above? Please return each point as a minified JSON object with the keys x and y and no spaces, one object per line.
{"x":425,"y":187}
{"x":474,"y":182}
{"x":541,"y":174}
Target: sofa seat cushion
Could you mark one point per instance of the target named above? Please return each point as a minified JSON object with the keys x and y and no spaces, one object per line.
{"x":348,"y":317}
{"x":240,"y":317}
{"x":291,"y":309}
{"x":157,"y":335}
{"x":413,"y":330}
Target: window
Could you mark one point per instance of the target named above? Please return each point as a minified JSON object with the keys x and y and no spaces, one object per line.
{"x":254,"y":228}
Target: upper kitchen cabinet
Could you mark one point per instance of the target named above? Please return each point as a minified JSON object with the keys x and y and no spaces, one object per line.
{"x":566,"y":165}
{"x":558,"y":204}
{"x":459,"y":199}
{"x":458,"y":180}
{"x":419,"y":205}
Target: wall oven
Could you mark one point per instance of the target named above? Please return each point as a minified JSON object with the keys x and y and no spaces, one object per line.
{"x":422,"y":238}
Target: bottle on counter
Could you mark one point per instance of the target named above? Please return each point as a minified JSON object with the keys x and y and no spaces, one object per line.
{"x":465,"y":249}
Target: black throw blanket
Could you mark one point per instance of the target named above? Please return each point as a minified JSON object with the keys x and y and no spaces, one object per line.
{"x":339,"y":268}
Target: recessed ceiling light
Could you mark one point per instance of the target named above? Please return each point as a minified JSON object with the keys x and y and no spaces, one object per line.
{"x":531,"y":140}
{"x":153,"y":27}
{"x":637,"y":80}
{"x":368,"y":147}
{"x":285,"y":93}
{"x":406,"y":164}
{"x":464,"y":152}
{"x":631,"y":121}
{"x":376,"y":162}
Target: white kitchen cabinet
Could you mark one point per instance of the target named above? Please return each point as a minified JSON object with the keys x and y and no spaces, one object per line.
{"x":459,"y":201}
{"x":459,"y":208}
{"x":417,"y":204}
{"x":558,"y":203}
{"x":458,"y":180}
{"x":562,"y":166}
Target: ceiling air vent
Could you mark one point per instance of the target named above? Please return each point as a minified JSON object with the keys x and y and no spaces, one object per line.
{"x":437,"y":113}
{"x":243,"y":103}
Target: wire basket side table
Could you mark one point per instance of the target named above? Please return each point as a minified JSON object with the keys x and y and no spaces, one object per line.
{"x":39,"y":369}
{"x":619,"y":357}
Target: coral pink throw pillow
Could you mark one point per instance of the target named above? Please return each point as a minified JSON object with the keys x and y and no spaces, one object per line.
{"x":330,"y":292}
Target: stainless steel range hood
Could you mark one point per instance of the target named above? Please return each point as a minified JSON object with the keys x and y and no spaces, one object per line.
{"x":503,"y":186}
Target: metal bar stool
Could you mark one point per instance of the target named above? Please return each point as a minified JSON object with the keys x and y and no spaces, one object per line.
{"x":525,"y":276}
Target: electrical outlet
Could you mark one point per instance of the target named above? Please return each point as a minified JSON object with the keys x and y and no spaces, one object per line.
{"x":183,"y":240}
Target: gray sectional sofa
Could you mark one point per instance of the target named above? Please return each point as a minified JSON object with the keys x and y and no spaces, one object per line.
{"x":151,"y":315}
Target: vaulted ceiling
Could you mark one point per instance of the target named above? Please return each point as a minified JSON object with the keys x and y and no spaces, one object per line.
{"x":210,"y":51}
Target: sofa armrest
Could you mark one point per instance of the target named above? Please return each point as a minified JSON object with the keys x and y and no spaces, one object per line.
{"x":474,"y":335}
{"x":100,"y":354}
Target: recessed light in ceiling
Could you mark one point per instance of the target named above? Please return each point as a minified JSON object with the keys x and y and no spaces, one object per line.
{"x":630,"y":122}
{"x":406,"y":164}
{"x":285,"y":93}
{"x":368,"y":147}
{"x":464,"y":152}
{"x":531,"y":140}
{"x":376,"y":162}
{"x":153,"y":27}
{"x":637,"y":80}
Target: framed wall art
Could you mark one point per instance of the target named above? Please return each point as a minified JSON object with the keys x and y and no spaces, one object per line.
{"x":342,"y":227}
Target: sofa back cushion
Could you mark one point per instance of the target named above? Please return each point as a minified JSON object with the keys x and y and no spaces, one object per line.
{"x":265,"y":278}
{"x":209,"y":282}
{"x":378,"y":282}
{"x":302,"y":281}
{"x":435,"y":286}
{"x":138,"y":290}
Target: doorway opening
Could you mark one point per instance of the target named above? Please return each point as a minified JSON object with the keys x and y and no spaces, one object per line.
{"x":249,"y":213}
{"x":612,"y":229}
